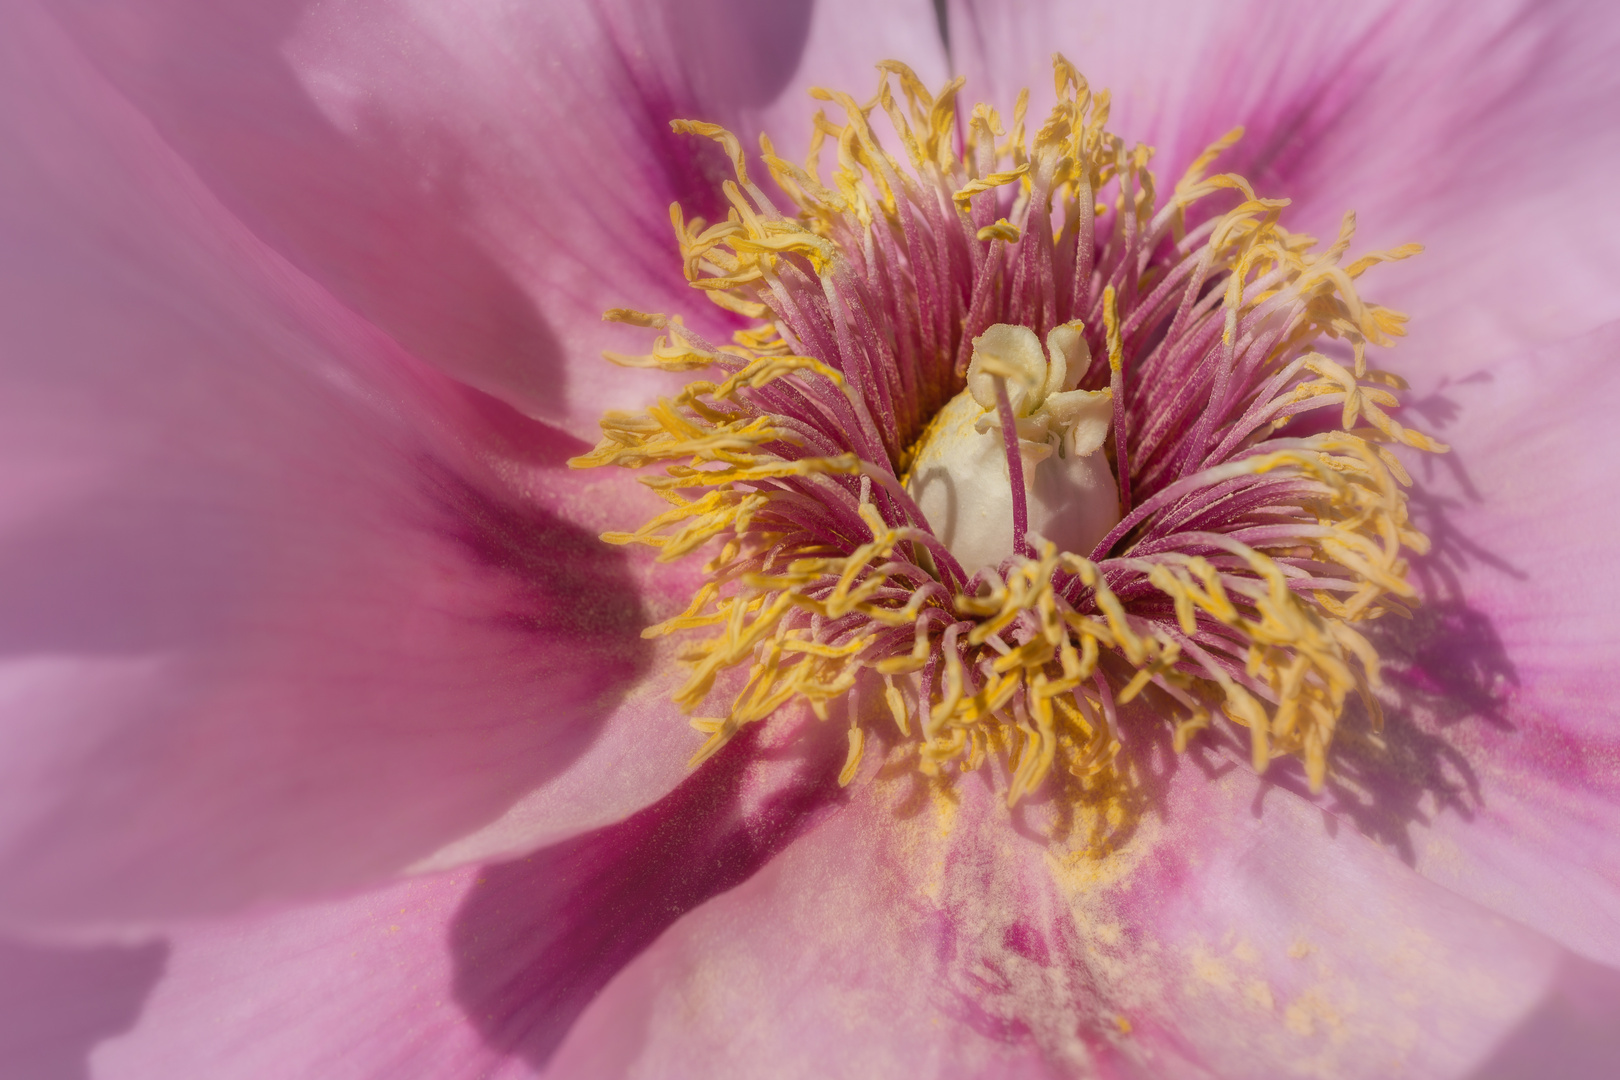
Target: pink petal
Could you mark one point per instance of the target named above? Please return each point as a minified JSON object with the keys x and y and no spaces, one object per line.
{"x":1238,"y":934}
{"x":1497,"y":775}
{"x":1234,"y":931}
{"x":58,"y":1000}
{"x":1415,"y":115}
{"x":1507,"y":722}
{"x":892,"y":938}
{"x":1571,"y":1033}
{"x":286,"y":612}
{"x":1489,"y":132}
{"x":475,"y":973}
{"x":482,"y":180}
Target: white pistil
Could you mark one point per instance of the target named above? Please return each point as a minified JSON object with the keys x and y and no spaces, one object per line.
{"x":960,"y":475}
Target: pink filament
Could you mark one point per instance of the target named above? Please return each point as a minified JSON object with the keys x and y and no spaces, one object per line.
{"x":1015,"y":470}
{"x":896,"y":317}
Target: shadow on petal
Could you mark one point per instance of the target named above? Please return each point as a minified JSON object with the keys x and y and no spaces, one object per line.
{"x":380,"y":214}
{"x":538,"y":938}
{"x":761,"y":43}
{"x":1446,"y":673}
{"x":58,"y":1002}
{"x":1571,"y":1035}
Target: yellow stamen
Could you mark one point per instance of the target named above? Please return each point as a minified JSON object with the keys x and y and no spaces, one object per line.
{"x":1029,"y":664}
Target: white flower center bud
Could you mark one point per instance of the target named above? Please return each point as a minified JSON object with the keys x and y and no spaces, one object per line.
{"x":960,"y":477}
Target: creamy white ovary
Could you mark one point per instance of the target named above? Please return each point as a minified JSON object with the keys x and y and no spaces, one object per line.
{"x":959,"y":478}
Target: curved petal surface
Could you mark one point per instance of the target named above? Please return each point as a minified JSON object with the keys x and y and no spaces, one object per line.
{"x":1238,"y":934}
{"x":285,"y":610}
{"x":474,"y":973}
{"x":483,"y":179}
{"x":900,"y":936}
{"x":1496,"y":771}
{"x":1485,"y":131}
{"x":1506,"y":777}
{"x":1443,"y":125}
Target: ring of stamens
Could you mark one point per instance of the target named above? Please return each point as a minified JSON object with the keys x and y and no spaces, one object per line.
{"x":1245,"y":555}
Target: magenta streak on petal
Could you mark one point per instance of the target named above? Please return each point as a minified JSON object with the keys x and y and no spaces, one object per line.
{"x":535,"y":940}
{"x":289,"y":610}
{"x":1185,"y":880}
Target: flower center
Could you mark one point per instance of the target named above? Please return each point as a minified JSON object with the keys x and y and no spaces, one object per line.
{"x":1023,"y":555}
{"x":961,"y":473}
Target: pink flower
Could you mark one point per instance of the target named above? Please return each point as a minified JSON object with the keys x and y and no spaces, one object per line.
{"x":331,"y":745}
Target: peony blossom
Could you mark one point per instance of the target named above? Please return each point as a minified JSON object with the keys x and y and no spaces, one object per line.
{"x":332,"y":744}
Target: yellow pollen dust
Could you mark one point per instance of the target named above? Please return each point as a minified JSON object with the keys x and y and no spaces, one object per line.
{"x":788,"y":467}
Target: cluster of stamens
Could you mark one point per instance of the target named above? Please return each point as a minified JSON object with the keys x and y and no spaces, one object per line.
{"x":1246,"y":549}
